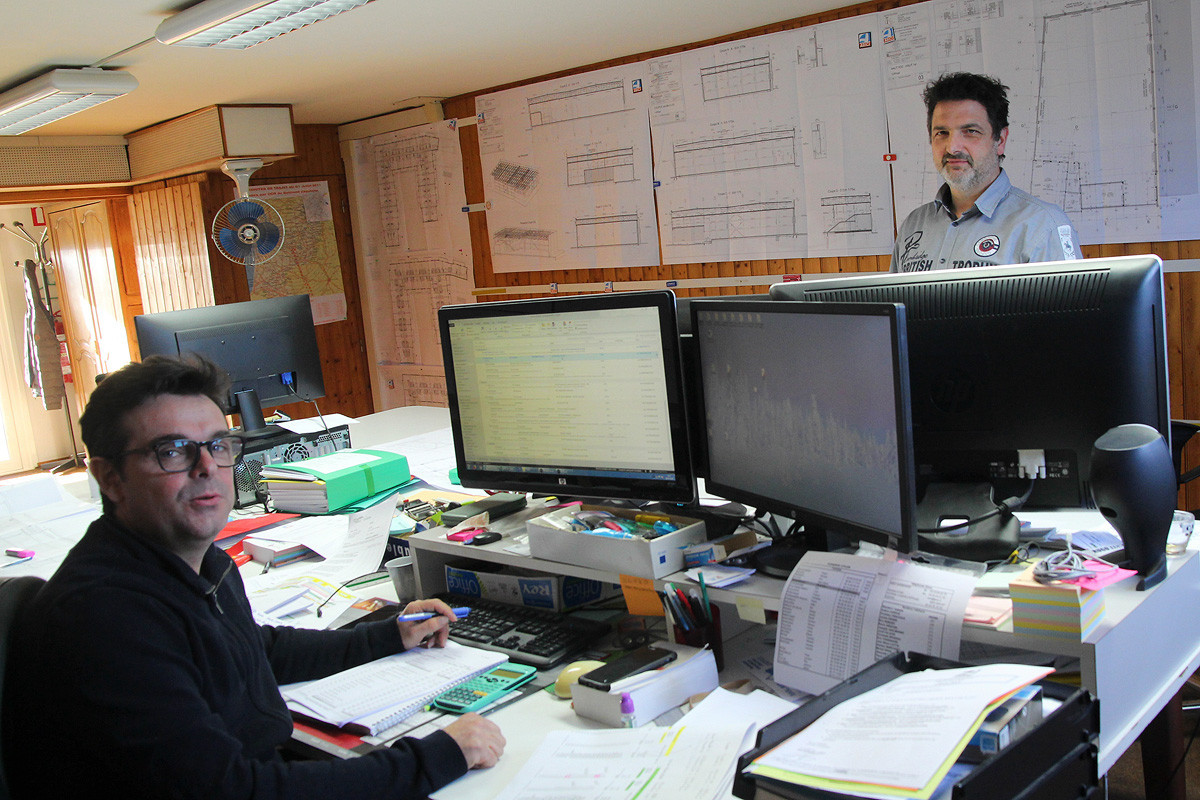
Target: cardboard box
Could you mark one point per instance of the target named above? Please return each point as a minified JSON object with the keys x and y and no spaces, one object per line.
{"x":643,"y":558}
{"x":718,"y":549}
{"x":516,"y":586}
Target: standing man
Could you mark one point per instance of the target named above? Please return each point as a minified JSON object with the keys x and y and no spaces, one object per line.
{"x":138,"y":669}
{"x":978,"y":218}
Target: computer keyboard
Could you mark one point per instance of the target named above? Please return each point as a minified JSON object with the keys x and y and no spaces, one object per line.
{"x":526,"y":635}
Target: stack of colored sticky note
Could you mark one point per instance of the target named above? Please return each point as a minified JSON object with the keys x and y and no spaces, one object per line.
{"x":1063,"y":609}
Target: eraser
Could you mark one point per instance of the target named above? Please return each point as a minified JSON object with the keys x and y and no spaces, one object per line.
{"x":19,"y":553}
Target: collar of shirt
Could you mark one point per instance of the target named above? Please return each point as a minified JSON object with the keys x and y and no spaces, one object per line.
{"x":987,"y":202}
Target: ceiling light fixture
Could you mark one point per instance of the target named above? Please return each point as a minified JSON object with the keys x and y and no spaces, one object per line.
{"x":238,"y":24}
{"x":59,"y":93}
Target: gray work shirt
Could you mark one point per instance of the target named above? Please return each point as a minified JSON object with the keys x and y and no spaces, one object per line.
{"x":1005,"y":226}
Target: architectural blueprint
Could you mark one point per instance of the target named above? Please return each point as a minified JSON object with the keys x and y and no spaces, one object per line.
{"x":842,"y":113}
{"x":416,"y":254}
{"x":567,"y":173}
{"x":1103,"y":114}
{"x":727,"y":143}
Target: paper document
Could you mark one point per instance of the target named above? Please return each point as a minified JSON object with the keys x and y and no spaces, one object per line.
{"x":841,"y":613}
{"x":374,"y":696}
{"x":903,"y":735}
{"x":648,"y":763}
{"x":352,"y":545}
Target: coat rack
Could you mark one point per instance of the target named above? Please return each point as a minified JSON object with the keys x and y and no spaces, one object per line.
{"x":43,"y":261}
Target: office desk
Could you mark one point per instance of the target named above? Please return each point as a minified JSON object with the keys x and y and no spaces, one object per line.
{"x":1135,"y":662}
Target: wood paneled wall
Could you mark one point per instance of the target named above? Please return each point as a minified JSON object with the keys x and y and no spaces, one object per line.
{"x":342,"y":345}
{"x":1183,"y":288}
{"x":167,"y":218}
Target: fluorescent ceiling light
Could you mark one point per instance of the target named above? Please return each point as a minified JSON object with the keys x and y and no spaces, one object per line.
{"x":57,"y":94}
{"x":238,"y":24}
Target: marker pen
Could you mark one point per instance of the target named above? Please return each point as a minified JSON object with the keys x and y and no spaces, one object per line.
{"x":459,"y":612}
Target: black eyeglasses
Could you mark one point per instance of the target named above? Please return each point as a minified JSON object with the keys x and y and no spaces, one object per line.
{"x":182,"y":455}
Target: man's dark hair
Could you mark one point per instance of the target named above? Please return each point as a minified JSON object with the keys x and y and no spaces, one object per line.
{"x":104,"y":424}
{"x":121,"y":393}
{"x":988,"y":92}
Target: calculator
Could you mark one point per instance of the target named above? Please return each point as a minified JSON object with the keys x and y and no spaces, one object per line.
{"x":484,"y":689}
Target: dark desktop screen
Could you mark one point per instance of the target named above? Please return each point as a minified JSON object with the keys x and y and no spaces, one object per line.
{"x":801,"y":411}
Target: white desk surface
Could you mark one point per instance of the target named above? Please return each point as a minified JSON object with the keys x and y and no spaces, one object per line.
{"x":1138,"y":658}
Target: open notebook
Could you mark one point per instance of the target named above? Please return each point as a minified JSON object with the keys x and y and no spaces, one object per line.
{"x":375,"y":696}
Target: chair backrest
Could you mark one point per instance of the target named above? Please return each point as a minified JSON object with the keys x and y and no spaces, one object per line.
{"x":15,"y":593}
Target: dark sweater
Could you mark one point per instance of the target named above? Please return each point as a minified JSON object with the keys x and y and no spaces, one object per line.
{"x":133,"y":676}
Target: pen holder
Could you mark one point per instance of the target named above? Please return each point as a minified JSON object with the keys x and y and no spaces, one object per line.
{"x":709,"y":634}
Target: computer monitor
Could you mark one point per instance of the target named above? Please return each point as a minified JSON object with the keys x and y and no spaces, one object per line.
{"x":1017,"y":370}
{"x":572,"y":396}
{"x":806,"y":414}
{"x":268,"y":347}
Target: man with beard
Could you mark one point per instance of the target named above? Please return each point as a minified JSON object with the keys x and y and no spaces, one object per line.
{"x":978,"y":218}
{"x":141,"y":653}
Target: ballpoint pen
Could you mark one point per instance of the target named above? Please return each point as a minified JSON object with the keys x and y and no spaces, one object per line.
{"x":459,"y":612}
{"x":17,"y":561}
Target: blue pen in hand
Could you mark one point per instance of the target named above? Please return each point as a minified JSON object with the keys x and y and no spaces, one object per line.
{"x":460,"y":612}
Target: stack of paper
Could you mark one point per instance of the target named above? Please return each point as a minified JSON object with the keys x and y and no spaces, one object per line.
{"x":873,"y":745}
{"x":377,"y":695}
{"x":1065,"y":609}
{"x":328,"y":483}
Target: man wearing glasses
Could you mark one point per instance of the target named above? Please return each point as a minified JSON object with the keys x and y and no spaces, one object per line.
{"x":138,"y":670}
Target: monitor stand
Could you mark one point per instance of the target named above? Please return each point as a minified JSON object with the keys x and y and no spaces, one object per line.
{"x":778,"y":559}
{"x":249,"y":410}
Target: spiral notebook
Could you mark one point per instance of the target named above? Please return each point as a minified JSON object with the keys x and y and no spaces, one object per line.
{"x":375,"y":696}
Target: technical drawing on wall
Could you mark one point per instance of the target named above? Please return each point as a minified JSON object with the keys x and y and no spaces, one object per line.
{"x":728,"y":151}
{"x":769,"y":148}
{"x":408,"y":293}
{"x":841,"y":111}
{"x":570,"y":178}
{"x":608,"y":166}
{"x":1110,"y":187}
{"x":407,"y":170}
{"x":578,"y":103}
{"x":524,"y":242}
{"x":750,"y":76}
{"x":612,"y":230}
{"x":515,"y":181}
{"x":749,"y":220}
{"x":847,"y":213}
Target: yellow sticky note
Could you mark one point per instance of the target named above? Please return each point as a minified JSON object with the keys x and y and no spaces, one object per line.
{"x":640,"y":596}
{"x":751,"y":609}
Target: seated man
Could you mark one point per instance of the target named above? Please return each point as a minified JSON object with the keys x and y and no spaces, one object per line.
{"x":138,"y":670}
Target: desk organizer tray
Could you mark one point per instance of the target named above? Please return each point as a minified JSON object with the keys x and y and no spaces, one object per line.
{"x":1055,"y":760}
{"x":642,"y":558}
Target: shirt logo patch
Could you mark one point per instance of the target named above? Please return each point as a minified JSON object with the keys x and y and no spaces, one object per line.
{"x":1068,"y":242}
{"x":987,"y":246}
{"x":910,"y":244}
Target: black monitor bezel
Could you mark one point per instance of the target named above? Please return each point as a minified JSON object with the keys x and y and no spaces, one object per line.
{"x":161,"y":333}
{"x":1010,"y":301}
{"x":679,"y":490}
{"x":903,"y":540}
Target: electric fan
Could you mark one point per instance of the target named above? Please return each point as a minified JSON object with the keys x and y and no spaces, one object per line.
{"x":247,"y":231}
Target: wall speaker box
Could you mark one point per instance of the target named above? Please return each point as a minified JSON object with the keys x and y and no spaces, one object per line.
{"x":62,"y":161}
{"x":204,"y":139}
{"x":280,"y":449}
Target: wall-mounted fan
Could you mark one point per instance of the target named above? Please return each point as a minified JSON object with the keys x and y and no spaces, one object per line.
{"x":246,"y":230}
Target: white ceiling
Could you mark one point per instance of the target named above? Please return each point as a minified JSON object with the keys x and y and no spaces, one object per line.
{"x":359,"y":64}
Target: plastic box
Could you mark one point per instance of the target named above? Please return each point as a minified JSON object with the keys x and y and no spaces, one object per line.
{"x":643,"y":558}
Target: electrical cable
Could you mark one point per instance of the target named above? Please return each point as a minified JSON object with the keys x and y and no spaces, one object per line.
{"x":334,"y":593}
{"x":1065,"y":565}
{"x":1007,"y":506}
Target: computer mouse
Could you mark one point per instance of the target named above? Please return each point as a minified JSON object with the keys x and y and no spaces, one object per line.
{"x":566,"y":680}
